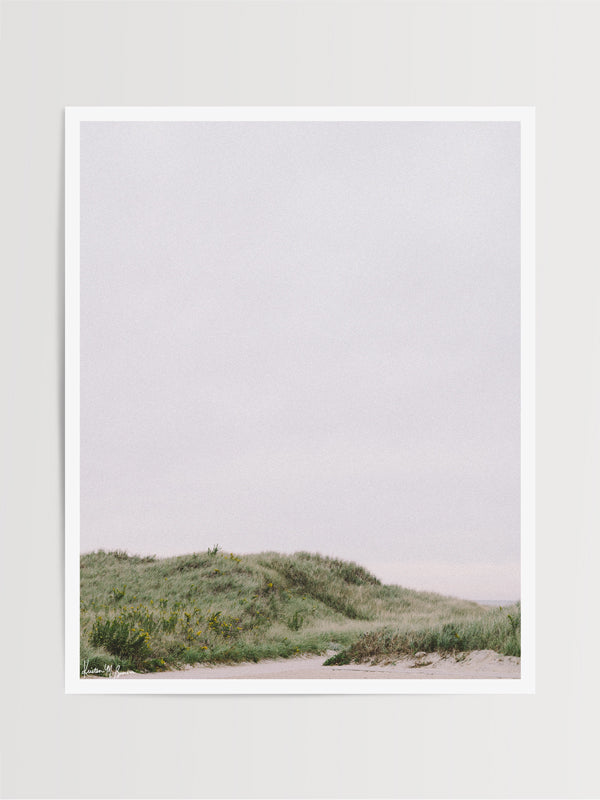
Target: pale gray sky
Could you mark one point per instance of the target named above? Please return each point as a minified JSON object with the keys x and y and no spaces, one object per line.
{"x":305,"y":336}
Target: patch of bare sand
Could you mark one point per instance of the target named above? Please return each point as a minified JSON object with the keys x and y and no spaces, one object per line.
{"x":478,"y":664}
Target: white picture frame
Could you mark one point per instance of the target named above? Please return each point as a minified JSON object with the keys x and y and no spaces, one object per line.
{"x":75,"y":116}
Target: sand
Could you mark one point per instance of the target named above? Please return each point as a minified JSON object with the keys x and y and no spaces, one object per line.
{"x":478,"y":664}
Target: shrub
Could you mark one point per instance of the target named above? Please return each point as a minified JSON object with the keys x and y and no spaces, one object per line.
{"x":296,"y":622}
{"x":120,"y":640}
{"x":117,"y":594}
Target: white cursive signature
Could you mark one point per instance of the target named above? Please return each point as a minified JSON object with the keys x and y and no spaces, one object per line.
{"x":108,"y":671}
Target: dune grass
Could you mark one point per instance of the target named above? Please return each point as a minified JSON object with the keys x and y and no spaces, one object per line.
{"x":498,"y":630}
{"x":147,"y":614}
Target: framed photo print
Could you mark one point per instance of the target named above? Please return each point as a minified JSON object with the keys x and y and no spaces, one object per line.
{"x":299,"y":400}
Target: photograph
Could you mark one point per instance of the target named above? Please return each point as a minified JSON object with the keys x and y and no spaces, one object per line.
{"x":299,"y":393}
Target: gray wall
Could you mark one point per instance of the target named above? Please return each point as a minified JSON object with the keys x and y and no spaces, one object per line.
{"x":111,"y":53}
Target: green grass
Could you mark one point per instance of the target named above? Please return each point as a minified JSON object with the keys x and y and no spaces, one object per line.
{"x":498,"y":630}
{"x":149,"y":614}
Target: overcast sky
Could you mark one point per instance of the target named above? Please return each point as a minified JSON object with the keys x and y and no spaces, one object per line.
{"x":305,"y":336}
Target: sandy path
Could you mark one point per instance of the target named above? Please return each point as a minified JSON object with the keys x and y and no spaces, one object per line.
{"x":479,"y":664}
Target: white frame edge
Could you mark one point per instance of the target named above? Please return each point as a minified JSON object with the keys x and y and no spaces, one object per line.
{"x":74,"y":684}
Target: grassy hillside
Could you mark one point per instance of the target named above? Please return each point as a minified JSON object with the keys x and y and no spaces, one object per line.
{"x":146,"y":613}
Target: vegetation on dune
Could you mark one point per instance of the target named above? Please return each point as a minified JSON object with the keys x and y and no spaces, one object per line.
{"x":498,"y":630}
{"x":148,"y":614}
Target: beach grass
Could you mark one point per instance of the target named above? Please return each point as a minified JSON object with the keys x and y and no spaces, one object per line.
{"x":499,"y":630}
{"x":147,"y":614}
